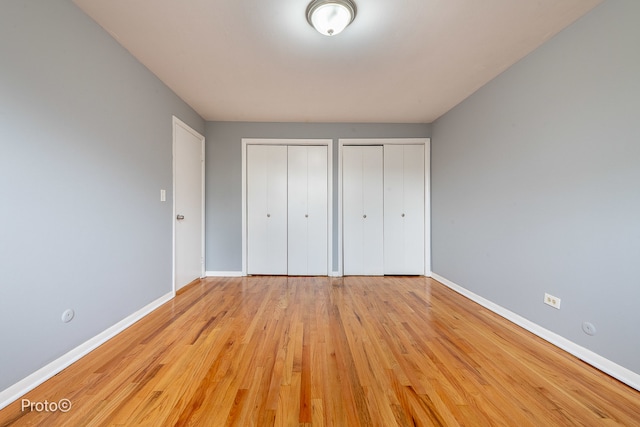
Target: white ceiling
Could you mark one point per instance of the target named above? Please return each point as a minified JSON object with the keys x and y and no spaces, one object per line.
{"x":400,"y":61}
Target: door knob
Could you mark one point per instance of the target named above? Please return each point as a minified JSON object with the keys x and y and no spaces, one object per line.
{"x":268,"y":215}
{"x":402,"y":215}
{"x":180,"y":217}
{"x":364,"y":216}
{"x":306,"y":215}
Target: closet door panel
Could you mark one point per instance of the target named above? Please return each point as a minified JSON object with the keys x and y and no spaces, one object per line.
{"x":307,"y":178}
{"x":307,"y":200}
{"x":394,"y":224}
{"x":277,"y":210}
{"x":414,"y":194}
{"x":317,"y":209}
{"x":404,"y":209}
{"x":373,"y":211}
{"x":362,"y":180}
{"x":256,"y":206}
{"x":297,"y":205}
{"x":266,"y":209}
{"x":352,"y":207}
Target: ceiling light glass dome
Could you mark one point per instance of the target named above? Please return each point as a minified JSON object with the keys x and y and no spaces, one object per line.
{"x":330,"y":17}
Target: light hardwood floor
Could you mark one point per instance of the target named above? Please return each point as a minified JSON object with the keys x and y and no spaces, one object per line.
{"x":357,"y":351}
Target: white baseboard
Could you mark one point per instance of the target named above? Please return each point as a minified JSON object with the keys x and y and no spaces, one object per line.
{"x":618,"y":372}
{"x":223,"y":273}
{"x":239,"y":274}
{"x":337,"y":274}
{"x":27,"y":384}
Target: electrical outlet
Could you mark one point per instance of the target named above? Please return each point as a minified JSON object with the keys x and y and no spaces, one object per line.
{"x":552,"y":301}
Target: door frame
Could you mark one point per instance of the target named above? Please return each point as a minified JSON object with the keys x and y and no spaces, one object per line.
{"x":176,"y":122}
{"x":283,"y":141}
{"x":427,"y":190}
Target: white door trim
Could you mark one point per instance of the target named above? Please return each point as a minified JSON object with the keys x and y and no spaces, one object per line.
{"x":427,"y":189}
{"x":283,"y":141}
{"x":177,"y":122}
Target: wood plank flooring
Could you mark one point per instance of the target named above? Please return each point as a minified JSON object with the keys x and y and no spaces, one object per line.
{"x":358,"y":351}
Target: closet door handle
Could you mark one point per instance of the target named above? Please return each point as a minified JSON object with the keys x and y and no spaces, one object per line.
{"x":364,"y":216}
{"x":268,"y":215}
{"x":180,"y":217}
{"x":306,"y":215}
{"x":402,"y":215}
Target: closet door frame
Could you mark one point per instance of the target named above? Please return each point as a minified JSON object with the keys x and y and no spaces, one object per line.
{"x":288,"y":142}
{"x":427,"y":190}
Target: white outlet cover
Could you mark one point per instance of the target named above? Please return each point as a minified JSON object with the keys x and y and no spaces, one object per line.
{"x":552,"y":301}
{"x":67,"y":315}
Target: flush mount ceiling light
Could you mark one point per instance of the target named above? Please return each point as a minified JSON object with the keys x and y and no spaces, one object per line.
{"x":330,"y":17}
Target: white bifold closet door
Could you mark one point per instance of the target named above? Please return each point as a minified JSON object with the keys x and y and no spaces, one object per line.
{"x":307,"y":215}
{"x":266,"y":209}
{"x":362,"y":210}
{"x":404,"y":209}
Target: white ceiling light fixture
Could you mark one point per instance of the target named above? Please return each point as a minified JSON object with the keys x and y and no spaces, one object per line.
{"x":330,"y":17}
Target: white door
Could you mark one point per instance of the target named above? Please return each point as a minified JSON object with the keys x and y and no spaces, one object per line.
{"x":307,"y":208}
{"x":266,"y":209}
{"x":188,"y":151}
{"x":404,"y":209}
{"x":362,"y":205}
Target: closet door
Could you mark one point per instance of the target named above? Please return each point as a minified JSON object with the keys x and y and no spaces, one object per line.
{"x":362,"y":207}
{"x":404,"y":209}
{"x":266,"y":209}
{"x":307,"y":202}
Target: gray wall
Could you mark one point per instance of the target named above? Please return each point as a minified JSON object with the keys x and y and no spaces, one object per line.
{"x":536,"y":185}
{"x":224,"y":176}
{"x":85,"y":143}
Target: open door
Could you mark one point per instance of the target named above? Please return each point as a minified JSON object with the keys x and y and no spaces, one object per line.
{"x":188,"y":204}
